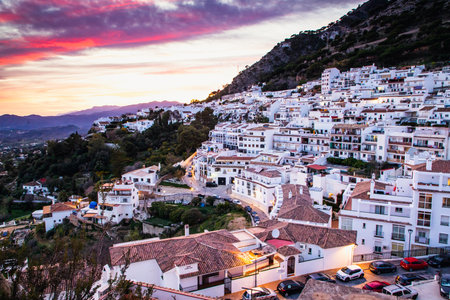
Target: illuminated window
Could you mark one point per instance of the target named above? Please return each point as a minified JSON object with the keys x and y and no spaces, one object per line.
{"x":425,"y":200}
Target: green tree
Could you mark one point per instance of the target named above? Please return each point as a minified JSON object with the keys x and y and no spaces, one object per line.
{"x":192,"y":216}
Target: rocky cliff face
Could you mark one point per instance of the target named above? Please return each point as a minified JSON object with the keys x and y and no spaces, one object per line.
{"x":387,"y":33}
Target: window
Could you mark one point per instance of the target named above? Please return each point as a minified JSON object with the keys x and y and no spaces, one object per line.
{"x":446,"y":202}
{"x":398,"y":232}
{"x":425,"y":200}
{"x":364,"y":225}
{"x":445,"y":220}
{"x":346,"y":223}
{"x":309,"y":251}
{"x":379,"y":209}
{"x":443,"y":238}
{"x":363,"y":242}
{"x":379,"y":231}
{"x":423,"y":218}
{"x":377,"y":248}
{"x":398,"y":209}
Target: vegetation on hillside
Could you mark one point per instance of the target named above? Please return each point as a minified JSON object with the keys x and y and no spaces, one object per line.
{"x":73,"y":165}
{"x":386,"y":33}
{"x":200,"y":214}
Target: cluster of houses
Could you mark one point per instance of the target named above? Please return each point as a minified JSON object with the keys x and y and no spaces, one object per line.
{"x":115,"y":201}
{"x":320,"y":215}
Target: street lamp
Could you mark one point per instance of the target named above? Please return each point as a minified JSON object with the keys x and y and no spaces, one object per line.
{"x":409,"y":247}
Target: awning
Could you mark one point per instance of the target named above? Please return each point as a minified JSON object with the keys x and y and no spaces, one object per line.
{"x":317,"y":167}
{"x":279,"y":243}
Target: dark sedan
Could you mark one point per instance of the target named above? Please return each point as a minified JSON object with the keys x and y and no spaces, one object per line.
{"x":438,"y":261}
{"x":408,"y":278}
{"x":378,"y":267}
{"x":320,"y":277}
{"x":444,"y":285}
{"x":290,"y":287}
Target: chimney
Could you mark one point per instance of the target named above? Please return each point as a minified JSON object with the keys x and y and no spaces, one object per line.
{"x":372,"y":184}
{"x":429,"y":164}
{"x":186,"y":230}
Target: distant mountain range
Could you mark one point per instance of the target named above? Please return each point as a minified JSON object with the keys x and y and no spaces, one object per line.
{"x":40,"y":128}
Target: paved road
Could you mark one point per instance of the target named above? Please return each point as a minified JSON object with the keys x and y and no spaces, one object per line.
{"x":222,"y":191}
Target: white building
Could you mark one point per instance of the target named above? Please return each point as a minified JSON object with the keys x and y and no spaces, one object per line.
{"x":56,"y":213}
{"x":222,"y":262}
{"x":390,"y":217}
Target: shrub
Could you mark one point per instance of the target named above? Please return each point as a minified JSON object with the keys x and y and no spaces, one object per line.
{"x":192,"y":216}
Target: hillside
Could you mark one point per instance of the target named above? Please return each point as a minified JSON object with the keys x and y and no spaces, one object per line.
{"x":16,"y":136}
{"x":387,"y":33}
{"x":16,"y":130}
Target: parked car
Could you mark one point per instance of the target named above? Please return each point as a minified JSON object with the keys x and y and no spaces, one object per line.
{"x":210,"y":184}
{"x":350,"y":273}
{"x":408,"y":278}
{"x":375,"y":286}
{"x":320,"y":277}
{"x":288,"y":287}
{"x":259,"y":293}
{"x":378,"y":267}
{"x":254,"y":214}
{"x":437,"y":261}
{"x":444,"y":285}
{"x":399,"y":291}
{"x":412,"y":263}
{"x":256,"y":220}
{"x":235,"y":201}
{"x":248,"y":209}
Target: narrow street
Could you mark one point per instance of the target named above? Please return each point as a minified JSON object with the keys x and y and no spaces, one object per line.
{"x":221,"y":191}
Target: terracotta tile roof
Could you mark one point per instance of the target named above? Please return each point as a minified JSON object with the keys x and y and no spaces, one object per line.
{"x":213,"y":251}
{"x":33,"y":183}
{"x":46,"y":209}
{"x":288,"y":251}
{"x":265,"y":172}
{"x":298,"y":206}
{"x":363,"y":187}
{"x":438,"y":166}
{"x":60,"y":206}
{"x":323,"y":237}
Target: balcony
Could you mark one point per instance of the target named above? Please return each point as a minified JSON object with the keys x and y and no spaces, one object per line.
{"x":398,"y":237}
{"x":378,"y":234}
{"x":400,"y":143}
{"x":422,"y":240}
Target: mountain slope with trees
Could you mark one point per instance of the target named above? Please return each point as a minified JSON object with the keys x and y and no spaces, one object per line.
{"x":383,"y":32}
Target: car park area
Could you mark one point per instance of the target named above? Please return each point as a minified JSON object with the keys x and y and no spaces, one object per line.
{"x":427,"y":289}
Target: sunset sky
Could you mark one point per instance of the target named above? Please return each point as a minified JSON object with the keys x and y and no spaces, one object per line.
{"x":58,"y":56}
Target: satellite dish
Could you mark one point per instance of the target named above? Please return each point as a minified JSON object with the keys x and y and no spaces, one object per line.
{"x":275,"y":233}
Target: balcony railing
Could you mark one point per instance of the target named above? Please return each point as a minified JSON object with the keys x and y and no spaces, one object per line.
{"x":379,"y":234}
{"x":424,"y":223}
{"x":422,"y":240}
{"x":398,"y":237}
